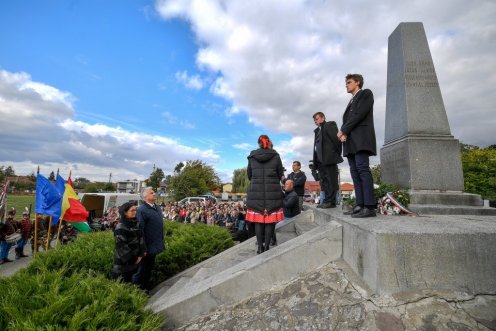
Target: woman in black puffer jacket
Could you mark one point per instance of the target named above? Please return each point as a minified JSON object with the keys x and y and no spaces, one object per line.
{"x":129,"y":243}
{"x":265,"y":196}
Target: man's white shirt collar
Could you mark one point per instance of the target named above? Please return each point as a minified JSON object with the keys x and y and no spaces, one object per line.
{"x":356,"y":93}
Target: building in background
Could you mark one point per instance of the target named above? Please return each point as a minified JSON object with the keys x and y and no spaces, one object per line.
{"x":130,"y":186}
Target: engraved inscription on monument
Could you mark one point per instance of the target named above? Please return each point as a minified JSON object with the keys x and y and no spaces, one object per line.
{"x":420,"y":73}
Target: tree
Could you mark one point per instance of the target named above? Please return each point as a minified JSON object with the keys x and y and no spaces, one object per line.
{"x":91,"y":188}
{"x":178,"y":167}
{"x":32,"y":177}
{"x":168,"y":181}
{"x":155,"y":178}
{"x":6,"y":172}
{"x":376,"y":174}
{"x":194,"y":178}
{"x":109,"y":187}
{"x":468,"y":147}
{"x":80,"y":183}
{"x":9,"y":171}
{"x":51,"y":177}
{"x":23,"y":185}
{"x":240,"y":181}
{"x":479,"y":171}
{"x":99,"y":187}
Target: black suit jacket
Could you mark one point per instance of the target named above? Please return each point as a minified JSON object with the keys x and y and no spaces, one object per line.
{"x":358,"y":124}
{"x":330,"y":144}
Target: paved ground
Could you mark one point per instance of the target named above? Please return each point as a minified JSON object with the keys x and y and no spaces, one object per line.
{"x":331,"y":298}
{"x":10,"y":268}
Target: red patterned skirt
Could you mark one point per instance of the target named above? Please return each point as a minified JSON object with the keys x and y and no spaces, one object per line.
{"x":253,"y":216}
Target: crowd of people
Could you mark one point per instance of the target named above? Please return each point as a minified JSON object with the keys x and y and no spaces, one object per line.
{"x":19,"y":233}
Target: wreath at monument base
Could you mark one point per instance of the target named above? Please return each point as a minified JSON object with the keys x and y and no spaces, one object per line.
{"x":394,"y":203}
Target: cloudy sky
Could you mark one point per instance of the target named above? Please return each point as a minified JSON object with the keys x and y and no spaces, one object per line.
{"x":100,"y":87}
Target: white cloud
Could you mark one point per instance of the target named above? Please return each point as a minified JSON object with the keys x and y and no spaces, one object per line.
{"x":38,"y":129}
{"x":243,"y":146}
{"x":172,"y":119}
{"x":169,"y":117}
{"x":281,"y":61}
{"x":193,"y":82}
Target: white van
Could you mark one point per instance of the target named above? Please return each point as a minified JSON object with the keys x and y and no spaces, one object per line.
{"x":98,"y":203}
{"x":193,"y":199}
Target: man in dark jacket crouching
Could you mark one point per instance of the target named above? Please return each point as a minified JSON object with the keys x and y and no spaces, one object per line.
{"x":291,"y":204}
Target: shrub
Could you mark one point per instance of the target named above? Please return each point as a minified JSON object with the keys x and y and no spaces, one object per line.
{"x":91,"y":251}
{"x":67,"y":288}
{"x":349,"y":202}
{"x":187,"y":245}
{"x":385,"y":188}
{"x":51,"y":300}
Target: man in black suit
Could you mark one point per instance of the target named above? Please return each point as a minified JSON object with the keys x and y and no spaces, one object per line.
{"x":326,"y":156}
{"x":358,"y":136}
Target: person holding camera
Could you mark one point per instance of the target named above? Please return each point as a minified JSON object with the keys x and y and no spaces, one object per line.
{"x":326,"y":157}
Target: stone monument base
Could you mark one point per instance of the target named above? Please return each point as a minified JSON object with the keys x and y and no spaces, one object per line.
{"x":423,"y":162}
{"x":395,"y":254}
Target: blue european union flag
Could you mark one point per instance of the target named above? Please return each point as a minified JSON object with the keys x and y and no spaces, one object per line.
{"x":48,"y":198}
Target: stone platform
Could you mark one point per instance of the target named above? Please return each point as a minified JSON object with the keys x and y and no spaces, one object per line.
{"x":394,"y":254}
{"x":394,"y":262}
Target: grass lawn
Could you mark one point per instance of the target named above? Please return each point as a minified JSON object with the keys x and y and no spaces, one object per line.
{"x":19,"y":202}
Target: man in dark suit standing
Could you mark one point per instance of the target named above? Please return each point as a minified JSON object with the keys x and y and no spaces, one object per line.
{"x":151,"y":224}
{"x":326,"y":156}
{"x":358,"y":136}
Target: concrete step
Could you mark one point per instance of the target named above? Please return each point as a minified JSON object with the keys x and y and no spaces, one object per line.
{"x":302,"y":227}
{"x":239,"y":272}
{"x":285,"y":231}
{"x":451,"y":210}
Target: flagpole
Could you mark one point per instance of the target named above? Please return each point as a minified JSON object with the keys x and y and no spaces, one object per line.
{"x":35,"y":234}
{"x":58,"y":233}
{"x":48,"y":235}
{"x":36,"y":224}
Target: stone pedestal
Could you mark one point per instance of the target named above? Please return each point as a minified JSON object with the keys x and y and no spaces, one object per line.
{"x":423,"y":162}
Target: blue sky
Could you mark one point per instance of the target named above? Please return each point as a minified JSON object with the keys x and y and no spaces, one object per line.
{"x":95,"y":87}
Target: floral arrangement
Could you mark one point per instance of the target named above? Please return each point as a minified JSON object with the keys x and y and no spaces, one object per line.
{"x":394,"y":203}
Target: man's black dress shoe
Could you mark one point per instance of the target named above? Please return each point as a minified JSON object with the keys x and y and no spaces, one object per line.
{"x":326,"y":205}
{"x":365,"y":212}
{"x":354,"y":211}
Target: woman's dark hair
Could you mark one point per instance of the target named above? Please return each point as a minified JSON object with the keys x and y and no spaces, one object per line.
{"x":125,"y":207}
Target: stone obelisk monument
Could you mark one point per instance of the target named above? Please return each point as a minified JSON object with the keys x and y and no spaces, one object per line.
{"x":419,"y":152}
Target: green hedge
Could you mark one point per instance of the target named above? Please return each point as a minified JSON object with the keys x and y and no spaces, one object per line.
{"x":187,"y":245}
{"x":90,"y":252}
{"x":51,"y":300}
{"x":68,"y":288}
